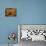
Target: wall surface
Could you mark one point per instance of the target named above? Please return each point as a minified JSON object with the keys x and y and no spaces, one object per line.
{"x":28,"y":12}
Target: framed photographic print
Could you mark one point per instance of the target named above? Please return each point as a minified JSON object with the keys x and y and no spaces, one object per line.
{"x":10,"y":12}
